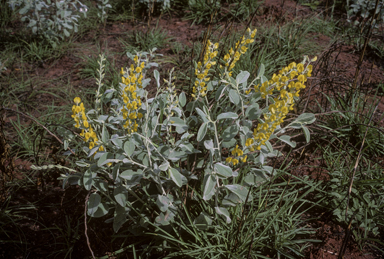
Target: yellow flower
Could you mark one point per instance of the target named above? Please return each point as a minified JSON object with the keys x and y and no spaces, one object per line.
{"x":77,"y":100}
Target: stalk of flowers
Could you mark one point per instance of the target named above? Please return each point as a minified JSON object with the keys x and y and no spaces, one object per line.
{"x":289,"y":87}
{"x":201,"y":72}
{"x":87,"y":132}
{"x":240,"y":48}
{"x":132,"y":80}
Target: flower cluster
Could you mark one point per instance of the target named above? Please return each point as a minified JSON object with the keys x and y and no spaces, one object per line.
{"x":132,"y":80}
{"x":201,"y":72}
{"x":78,"y":114}
{"x":240,"y":48}
{"x":289,"y":82}
{"x":237,"y":154}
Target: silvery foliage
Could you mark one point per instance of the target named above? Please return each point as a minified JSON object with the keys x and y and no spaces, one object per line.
{"x":365,"y":9}
{"x":51,"y":19}
{"x":166,"y":3}
{"x":141,"y":176}
{"x":102,"y":7}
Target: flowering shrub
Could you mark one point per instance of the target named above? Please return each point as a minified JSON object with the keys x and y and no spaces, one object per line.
{"x":146,"y":157}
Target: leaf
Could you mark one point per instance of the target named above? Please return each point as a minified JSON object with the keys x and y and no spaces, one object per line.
{"x":230,"y":132}
{"x":165,"y":219}
{"x":261,"y":70}
{"x":306,"y":118}
{"x":177,"y":122}
{"x":240,"y":191}
{"x":104,"y":159}
{"x":203,"y":221}
{"x":253,"y":112}
{"x":224,"y":213}
{"x":234,"y":97}
{"x":93,"y":203}
{"x":202,"y":131}
{"x":175,"y":176}
{"x":120,"y":194}
{"x":287,"y":139}
{"x":202,"y":115}
{"x":129,"y":148}
{"x":223,"y":170}
{"x":208,"y":144}
{"x":119,"y":218}
{"x":307,"y":134}
{"x":182,"y":99}
{"x":219,"y":92}
{"x":102,"y":210}
{"x":156,"y":74}
{"x":162,"y":202}
{"x":242,"y":77}
{"x":231,"y":200}
{"x":227,"y":115}
{"x":208,"y":187}
{"x":164,"y":166}
{"x":88,"y":179}
{"x":104,"y":134}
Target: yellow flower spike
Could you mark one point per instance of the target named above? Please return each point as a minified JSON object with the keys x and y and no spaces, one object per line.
{"x":86,"y":124}
{"x":77,"y":100}
{"x":301,"y":78}
{"x":122,"y":71}
{"x":314,"y":59}
{"x":91,"y":145}
{"x":101,"y":148}
{"x":228,"y":160}
{"x":142,"y":65}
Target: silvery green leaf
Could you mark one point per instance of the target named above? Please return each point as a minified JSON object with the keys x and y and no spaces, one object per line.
{"x":240,"y":191}
{"x":228,"y":144}
{"x":230,"y":132}
{"x":66,"y":33}
{"x":104,"y":134}
{"x":177,"y":122}
{"x":231,"y":199}
{"x":307,"y":134}
{"x":223,"y":170}
{"x":156,"y":74}
{"x":93,"y":203}
{"x":306,"y":118}
{"x":202,"y":115}
{"x":224,"y":213}
{"x":129,"y":147}
{"x":269,"y":146}
{"x":118,"y":142}
{"x":66,"y":144}
{"x":175,"y":176}
{"x":182,"y":99}
{"x":128,"y":174}
{"x":287,"y":139}
{"x":263,"y":79}
{"x":208,"y":187}
{"x":88,"y":179}
{"x":164,"y":166}
{"x":121,"y":195}
{"x":162,"y":202}
{"x":219,"y":92}
{"x":261,"y":71}
{"x":253,"y":112}
{"x":101,"y":211}
{"x":165,"y":219}
{"x":202,"y":131}
{"x":100,"y":185}
{"x":208,"y":144}
{"x":242,"y":77}
{"x":145,"y":82}
{"x":227,"y":115}
{"x":234,"y":97}
{"x":82,"y":163}
{"x":103,"y":159}
{"x":203,"y":221}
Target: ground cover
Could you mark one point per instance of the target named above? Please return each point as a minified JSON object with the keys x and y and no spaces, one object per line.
{"x":312,"y":185}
